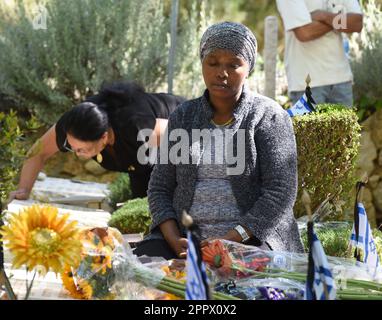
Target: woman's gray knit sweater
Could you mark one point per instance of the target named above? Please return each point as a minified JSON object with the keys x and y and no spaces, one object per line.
{"x":265,"y":192}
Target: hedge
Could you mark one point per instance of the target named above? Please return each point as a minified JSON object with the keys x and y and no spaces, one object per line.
{"x":132,"y":217}
{"x":327,"y":147}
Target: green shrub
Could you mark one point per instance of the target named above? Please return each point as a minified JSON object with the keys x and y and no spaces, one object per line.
{"x":120,"y":190}
{"x":193,"y":23}
{"x":133,"y":217}
{"x":327,"y":146}
{"x":86,"y":43}
{"x":335,"y":240}
{"x":365,"y":60}
{"x":11,"y":153}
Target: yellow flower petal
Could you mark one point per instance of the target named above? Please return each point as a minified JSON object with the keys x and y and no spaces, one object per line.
{"x":39,"y":236}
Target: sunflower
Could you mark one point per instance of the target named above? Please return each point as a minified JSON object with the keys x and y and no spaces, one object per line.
{"x":85,"y":289}
{"x":102,"y":262}
{"x":82,"y":290}
{"x":40,"y":238}
{"x":88,"y":279}
{"x":99,"y":246}
{"x":68,"y":282}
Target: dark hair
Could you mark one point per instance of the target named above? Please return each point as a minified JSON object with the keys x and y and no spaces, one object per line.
{"x":117,"y":94}
{"x":89,"y":120}
{"x":86,"y":121}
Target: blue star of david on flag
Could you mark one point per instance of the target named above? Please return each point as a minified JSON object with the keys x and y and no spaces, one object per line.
{"x":365,"y":241}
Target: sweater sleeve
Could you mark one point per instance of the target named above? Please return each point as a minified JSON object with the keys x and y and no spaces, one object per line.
{"x":276,"y":147}
{"x":163,"y":182}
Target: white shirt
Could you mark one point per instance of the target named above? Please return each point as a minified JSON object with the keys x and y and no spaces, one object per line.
{"x":324,"y":58}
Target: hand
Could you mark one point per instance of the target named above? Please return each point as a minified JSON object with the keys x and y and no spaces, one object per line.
{"x":231,"y":235}
{"x":318,"y":15}
{"x":180,"y":245}
{"x":20,"y":194}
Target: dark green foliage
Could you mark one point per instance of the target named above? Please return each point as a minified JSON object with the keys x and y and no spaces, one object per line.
{"x":84,"y":44}
{"x":327,"y":146}
{"x":133,"y":217}
{"x":11,"y":153}
{"x":119,"y":190}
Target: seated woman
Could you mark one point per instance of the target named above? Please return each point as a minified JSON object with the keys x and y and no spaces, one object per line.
{"x":105,"y":128}
{"x":253,"y":206}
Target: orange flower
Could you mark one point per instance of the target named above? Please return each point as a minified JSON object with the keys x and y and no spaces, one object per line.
{"x":217,"y":256}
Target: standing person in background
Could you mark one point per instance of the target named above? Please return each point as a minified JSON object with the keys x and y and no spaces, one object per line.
{"x":314,"y":46}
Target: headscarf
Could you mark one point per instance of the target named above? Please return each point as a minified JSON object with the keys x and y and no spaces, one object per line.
{"x":231,"y":36}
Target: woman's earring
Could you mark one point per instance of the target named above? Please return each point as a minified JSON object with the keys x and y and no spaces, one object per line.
{"x":99,"y":158}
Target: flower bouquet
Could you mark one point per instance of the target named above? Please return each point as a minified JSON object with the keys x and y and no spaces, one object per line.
{"x":93,"y":277}
{"x":135,"y":280}
{"x":249,"y":272}
{"x":109,"y":270}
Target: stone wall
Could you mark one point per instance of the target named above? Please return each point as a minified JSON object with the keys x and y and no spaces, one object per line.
{"x":370,"y":162}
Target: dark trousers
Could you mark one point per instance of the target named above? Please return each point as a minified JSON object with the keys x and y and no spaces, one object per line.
{"x":155,"y":248}
{"x":139,"y":183}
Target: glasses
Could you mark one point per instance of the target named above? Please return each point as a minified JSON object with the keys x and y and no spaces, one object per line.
{"x":66,"y":146}
{"x":79,"y":151}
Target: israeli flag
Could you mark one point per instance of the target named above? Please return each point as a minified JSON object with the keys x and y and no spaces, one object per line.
{"x":365,"y":240}
{"x":323,"y":284}
{"x":302,"y":106}
{"x":197,"y":281}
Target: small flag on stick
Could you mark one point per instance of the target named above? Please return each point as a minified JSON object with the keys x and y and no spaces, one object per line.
{"x":305,"y":104}
{"x":319,"y":283}
{"x":197,"y":285}
{"x":361,"y":238}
